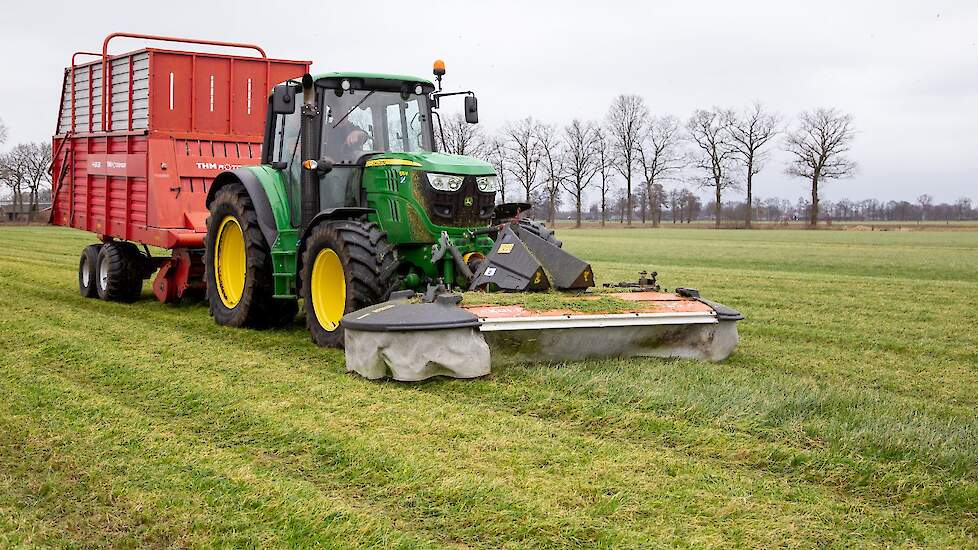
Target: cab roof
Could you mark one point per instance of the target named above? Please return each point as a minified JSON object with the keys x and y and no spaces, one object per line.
{"x":367,"y":78}
{"x":381,"y":76}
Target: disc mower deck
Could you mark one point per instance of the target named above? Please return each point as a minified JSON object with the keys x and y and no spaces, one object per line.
{"x":660,"y":324}
{"x":405,"y":341}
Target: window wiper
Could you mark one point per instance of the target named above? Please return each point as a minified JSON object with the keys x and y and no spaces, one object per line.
{"x":354,"y":108}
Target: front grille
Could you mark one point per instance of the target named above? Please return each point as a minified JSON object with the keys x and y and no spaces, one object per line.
{"x":450,"y":208}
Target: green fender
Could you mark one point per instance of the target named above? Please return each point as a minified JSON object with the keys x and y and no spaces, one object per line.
{"x":267,"y":192}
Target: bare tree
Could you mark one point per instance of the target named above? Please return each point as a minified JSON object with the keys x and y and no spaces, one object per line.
{"x":551,"y":164}
{"x":38,"y":178}
{"x":626,"y":124}
{"x":818,"y":147}
{"x":750,"y":133}
{"x":14,"y":168}
{"x":524,"y":153}
{"x":675,"y":202}
{"x":605,"y":159}
{"x":498,"y":156}
{"x":657,"y":197}
{"x":925,"y":201}
{"x":690,"y":205}
{"x":3,"y":132}
{"x":24,"y":170}
{"x":581,"y":160}
{"x":710,"y":132}
{"x":659,"y":157}
{"x":962,"y":207}
{"x":461,"y":138}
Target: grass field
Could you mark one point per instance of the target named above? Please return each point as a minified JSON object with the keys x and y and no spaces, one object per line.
{"x":847,"y":416}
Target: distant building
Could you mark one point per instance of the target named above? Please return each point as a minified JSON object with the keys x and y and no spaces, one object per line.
{"x":22,"y":213}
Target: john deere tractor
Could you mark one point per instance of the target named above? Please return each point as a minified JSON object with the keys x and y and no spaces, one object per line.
{"x":352,"y":200}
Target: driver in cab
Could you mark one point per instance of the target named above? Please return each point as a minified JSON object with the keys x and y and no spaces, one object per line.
{"x":345,"y":141}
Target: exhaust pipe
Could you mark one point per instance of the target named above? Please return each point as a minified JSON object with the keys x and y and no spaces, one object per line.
{"x":310,"y":138}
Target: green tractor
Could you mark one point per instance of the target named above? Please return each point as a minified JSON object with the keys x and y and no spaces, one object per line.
{"x":351,"y":202}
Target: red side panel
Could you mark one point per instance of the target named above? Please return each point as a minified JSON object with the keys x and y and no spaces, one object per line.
{"x":206,"y":115}
{"x":212,"y":95}
{"x":183,"y":172}
{"x":102,"y":184}
{"x":170,"y":92}
{"x":249,"y":95}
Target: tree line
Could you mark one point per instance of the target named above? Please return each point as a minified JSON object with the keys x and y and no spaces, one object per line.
{"x":552,"y":167}
{"x":24,"y":172}
{"x":723,"y":149}
{"x":778,"y":210}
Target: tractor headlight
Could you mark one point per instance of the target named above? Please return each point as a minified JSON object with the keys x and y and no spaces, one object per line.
{"x":445,"y":182}
{"x":487,"y":184}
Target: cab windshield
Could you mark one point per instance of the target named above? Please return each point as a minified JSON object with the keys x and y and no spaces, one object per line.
{"x":359,"y":121}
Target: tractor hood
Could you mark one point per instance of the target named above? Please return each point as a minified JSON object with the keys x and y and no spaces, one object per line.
{"x":434,"y":162}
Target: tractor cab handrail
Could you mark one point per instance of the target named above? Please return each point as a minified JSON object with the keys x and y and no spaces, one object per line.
{"x":105,"y":55}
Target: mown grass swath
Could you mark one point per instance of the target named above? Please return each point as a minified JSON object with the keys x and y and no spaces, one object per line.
{"x":846,"y":416}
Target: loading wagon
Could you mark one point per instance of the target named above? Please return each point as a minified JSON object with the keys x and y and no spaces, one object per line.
{"x":133,"y":161}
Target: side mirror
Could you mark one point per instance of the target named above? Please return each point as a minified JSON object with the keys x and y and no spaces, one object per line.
{"x":321,"y":167}
{"x":324,"y":167}
{"x":471,"y":109}
{"x":283,"y":99}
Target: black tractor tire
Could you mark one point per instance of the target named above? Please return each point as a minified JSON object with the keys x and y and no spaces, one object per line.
{"x":369,"y":265}
{"x":87,"y":271}
{"x":120,"y":272}
{"x":257,"y":307}
{"x":541,"y":231}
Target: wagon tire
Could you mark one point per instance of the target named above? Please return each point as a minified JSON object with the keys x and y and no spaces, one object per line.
{"x":238,"y":266}
{"x":346,"y":265}
{"x":120,"y":267}
{"x":87,"y":271}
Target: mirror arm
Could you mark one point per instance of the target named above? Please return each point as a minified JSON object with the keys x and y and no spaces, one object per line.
{"x":446,"y":94}
{"x":441,"y":129}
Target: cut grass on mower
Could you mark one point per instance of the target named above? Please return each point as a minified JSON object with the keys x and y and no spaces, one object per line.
{"x":591,"y":302}
{"x":846,"y":417}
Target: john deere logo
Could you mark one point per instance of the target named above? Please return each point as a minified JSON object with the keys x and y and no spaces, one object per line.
{"x":468,"y":201}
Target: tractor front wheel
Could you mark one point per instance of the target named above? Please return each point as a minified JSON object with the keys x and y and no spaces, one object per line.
{"x":346,"y":265}
{"x":238,"y":266}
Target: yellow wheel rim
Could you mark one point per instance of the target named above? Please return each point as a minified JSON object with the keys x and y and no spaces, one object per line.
{"x":327,"y":288}
{"x":230,"y":264}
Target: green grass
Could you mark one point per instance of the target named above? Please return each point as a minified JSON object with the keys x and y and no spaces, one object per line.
{"x":845,"y":418}
{"x":597,"y":300}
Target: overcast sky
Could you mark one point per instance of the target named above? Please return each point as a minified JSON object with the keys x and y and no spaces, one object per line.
{"x":907,"y":71}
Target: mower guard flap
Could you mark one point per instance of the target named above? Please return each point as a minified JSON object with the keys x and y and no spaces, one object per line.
{"x":523,"y":262}
{"x":411,"y":342}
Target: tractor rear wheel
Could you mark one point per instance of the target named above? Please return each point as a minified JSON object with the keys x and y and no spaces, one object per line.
{"x":87,"y":270}
{"x":346,"y":265}
{"x":238,"y":266}
{"x":119,"y":272}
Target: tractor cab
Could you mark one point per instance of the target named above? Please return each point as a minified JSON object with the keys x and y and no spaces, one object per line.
{"x":372,"y":140}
